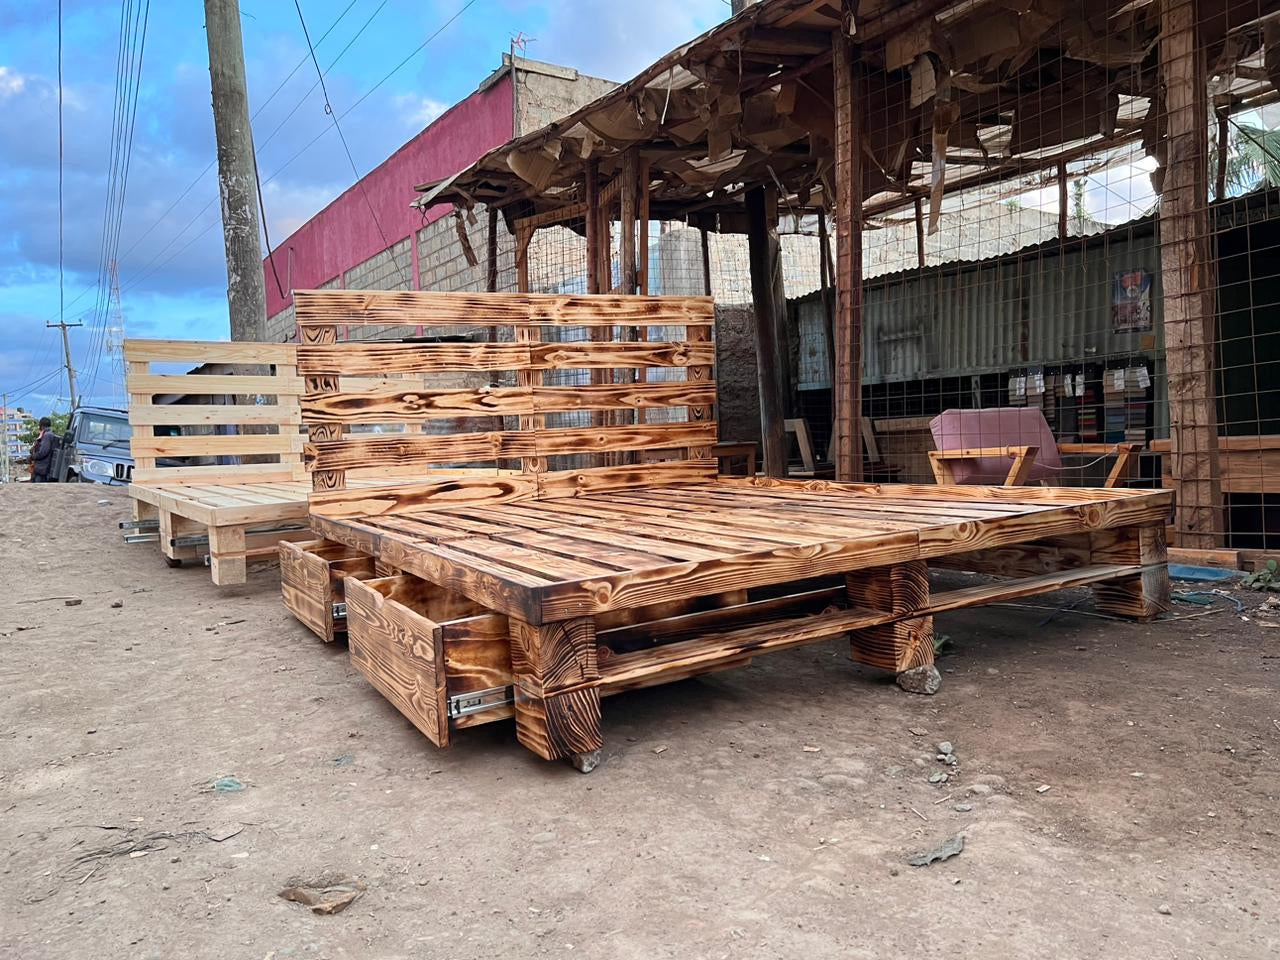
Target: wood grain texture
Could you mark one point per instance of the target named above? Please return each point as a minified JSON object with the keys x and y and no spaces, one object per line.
{"x":899,"y":590}
{"x":556,"y":679}
{"x":208,"y":351}
{"x":312,"y":579}
{"x":490,"y":309}
{"x":401,"y":650}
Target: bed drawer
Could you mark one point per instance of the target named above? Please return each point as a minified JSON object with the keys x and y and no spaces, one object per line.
{"x":442,"y":660}
{"x":312,"y":583}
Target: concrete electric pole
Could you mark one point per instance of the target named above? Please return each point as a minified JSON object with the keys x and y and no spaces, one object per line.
{"x":66,"y":358}
{"x":237,"y":179}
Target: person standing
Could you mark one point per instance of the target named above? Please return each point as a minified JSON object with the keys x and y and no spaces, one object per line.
{"x":42,"y":453}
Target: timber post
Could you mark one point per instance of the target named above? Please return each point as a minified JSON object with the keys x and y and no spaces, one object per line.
{"x":846,"y":385}
{"x":1185,"y":266}
{"x":769,"y":342}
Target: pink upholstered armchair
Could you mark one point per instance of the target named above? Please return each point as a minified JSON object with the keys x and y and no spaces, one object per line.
{"x":1010,"y":446}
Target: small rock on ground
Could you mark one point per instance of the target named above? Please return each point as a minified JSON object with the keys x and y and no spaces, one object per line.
{"x":923,"y":680}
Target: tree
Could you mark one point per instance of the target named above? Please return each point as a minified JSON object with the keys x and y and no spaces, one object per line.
{"x":1253,"y":158}
{"x":31,"y":426}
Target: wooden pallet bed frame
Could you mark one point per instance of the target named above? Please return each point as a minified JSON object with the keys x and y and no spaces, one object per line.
{"x":240,"y":418}
{"x":534,"y":594}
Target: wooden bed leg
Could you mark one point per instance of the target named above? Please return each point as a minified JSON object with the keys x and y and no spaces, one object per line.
{"x":145,"y":511}
{"x":905,"y":646}
{"x":556,"y":688}
{"x":1140,"y":598}
{"x":227,"y":570}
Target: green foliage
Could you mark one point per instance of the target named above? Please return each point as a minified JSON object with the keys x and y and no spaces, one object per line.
{"x":1264,"y":578}
{"x":1253,"y":158}
{"x":31,"y":426}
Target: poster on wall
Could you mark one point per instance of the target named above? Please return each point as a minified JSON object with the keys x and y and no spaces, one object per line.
{"x":1131,"y":302}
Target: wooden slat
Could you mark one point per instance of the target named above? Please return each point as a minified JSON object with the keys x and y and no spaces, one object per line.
{"x":409,"y":449}
{"x":208,"y":351}
{"x":374,"y":359}
{"x":221,"y":473}
{"x":490,"y":309}
{"x":213,"y":445}
{"x":393,"y":404}
{"x":195,"y":414}
{"x":204,"y":384}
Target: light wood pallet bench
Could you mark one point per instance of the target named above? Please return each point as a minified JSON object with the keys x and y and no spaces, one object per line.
{"x":536,"y":594}
{"x":194,"y":489}
{"x":243,"y":407}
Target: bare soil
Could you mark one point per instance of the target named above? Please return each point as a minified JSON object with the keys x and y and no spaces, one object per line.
{"x":762,"y":812}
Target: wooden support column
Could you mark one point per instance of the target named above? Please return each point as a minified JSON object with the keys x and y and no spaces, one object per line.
{"x":1186,"y":263}
{"x":591,"y":195}
{"x":1062,"y":201}
{"x":491,"y":257}
{"x":768,"y":339}
{"x":919,"y":205}
{"x":557,"y":696}
{"x":1140,"y":598}
{"x":847,"y":384}
{"x":899,"y":589}
{"x":226,"y":555}
{"x":630,"y":177}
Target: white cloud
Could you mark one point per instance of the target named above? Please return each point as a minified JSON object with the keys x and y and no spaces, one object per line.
{"x":11,"y":82}
{"x":419,"y":111}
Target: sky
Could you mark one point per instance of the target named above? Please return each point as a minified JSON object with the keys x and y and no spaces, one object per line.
{"x":172,"y":274}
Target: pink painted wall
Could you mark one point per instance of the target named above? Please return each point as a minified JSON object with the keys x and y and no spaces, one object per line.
{"x":343,"y":234}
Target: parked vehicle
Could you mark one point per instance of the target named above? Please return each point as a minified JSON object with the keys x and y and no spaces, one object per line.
{"x":95,"y":448}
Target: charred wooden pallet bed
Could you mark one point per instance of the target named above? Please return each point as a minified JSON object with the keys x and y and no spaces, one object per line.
{"x":535,"y":594}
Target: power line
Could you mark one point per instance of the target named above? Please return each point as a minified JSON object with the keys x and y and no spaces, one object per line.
{"x":209,"y":166}
{"x":328,"y":108}
{"x":368,"y":93}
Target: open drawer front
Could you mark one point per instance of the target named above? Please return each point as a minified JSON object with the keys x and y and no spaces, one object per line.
{"x":443,"y":660}
{"x":313,"y":583}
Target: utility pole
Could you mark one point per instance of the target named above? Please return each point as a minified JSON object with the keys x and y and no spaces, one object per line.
{"x":237,"y":176}
{"x":66,"y":358}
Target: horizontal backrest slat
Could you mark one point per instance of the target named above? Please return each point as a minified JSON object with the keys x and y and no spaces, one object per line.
{"x":208,"y":351}
{"x":423,"y":450}
{"x":398,"y":405}
{"x":373,"y":359}
{"x":386,"y":308}
{"x":193,"y":414}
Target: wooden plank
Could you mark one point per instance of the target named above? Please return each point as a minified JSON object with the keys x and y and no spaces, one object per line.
{"x":194,"y":414}
{"x":743,"y":571}
{"x":489,"y":309}
{"x":229,"y":473}
{"x":212,"y":384}
{"x":208,"y":351}
{"x":393,"y":404}
{"x":435,"y":495}
{"x":209,"y":445}
{"x":372,"y":359}
{"x":594,"y":480}
{"x":1226,"y":559}
{"x":375,"y":359}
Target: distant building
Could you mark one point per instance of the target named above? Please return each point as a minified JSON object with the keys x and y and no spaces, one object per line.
{"x":343,"y":247}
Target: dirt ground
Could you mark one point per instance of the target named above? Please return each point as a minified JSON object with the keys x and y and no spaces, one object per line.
{"x":763,"y":812}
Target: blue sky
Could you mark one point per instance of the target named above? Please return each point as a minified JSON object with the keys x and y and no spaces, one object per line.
{"x":172,"y":275}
